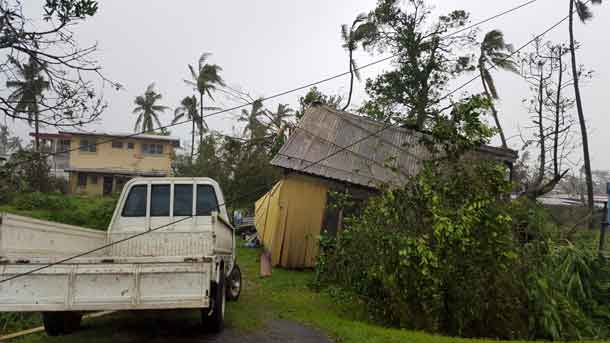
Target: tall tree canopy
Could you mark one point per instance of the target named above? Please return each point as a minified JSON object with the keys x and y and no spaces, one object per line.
{"x":147,"y":109}
{"x":205,"y":80}
{"x":28,"y":92}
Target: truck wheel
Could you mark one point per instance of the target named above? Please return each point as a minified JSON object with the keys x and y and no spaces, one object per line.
{"x":61,"y":323}
{"x":53,"y":323}
{"x":72,"y":321}
{"x":213,"y":317}
{"x":234,"y":283}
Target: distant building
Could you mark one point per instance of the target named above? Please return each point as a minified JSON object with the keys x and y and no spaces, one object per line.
{"x":101,"y":163}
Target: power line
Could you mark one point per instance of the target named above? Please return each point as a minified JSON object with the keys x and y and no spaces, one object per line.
{"x":375,"y":133}
{"x":309,"y":85}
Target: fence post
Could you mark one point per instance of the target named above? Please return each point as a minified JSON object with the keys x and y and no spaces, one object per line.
{"x":604,"y":224}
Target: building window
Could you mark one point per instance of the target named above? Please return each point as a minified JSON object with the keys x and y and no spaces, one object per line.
{"x":82,"y":179}
{"x":117,"y":144}
{"x":152,"y":149}
{"x":130,"y":146}
{"x":93,"y":179}
{"x":88,"y":145}
{"x":64,"y":146}
{"x":135,"y":205}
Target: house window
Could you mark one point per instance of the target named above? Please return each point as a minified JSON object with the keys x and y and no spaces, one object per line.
{"x":130,"y":146}
{"x":159,"y":200}
{"x":206,"y":200}
{"x":152,"y":149}
{"x":64,"y":146}
{"x":183,"y":200}
{"x":82,"y":179}
{"x":93,"y":179}
{"x":88,"y":145}
{"x":135,"y":205}
{"x":117,"y":144}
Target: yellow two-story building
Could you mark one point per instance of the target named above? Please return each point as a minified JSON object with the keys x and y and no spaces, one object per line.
{"x":101,"y":163}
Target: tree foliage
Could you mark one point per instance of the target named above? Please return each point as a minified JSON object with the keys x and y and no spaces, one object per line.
{"x":147,"y":109}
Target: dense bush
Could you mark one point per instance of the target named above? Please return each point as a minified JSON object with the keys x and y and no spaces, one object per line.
{"x":91,"y":212}
{"x":450,"y":253}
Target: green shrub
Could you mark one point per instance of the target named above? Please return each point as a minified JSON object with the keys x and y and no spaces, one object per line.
{"x":449,"y":253}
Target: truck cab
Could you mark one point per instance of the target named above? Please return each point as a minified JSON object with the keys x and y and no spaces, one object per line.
{"x":169,"y":245}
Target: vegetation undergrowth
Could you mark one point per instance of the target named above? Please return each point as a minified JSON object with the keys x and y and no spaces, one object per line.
{"x":92,"y":212}
{"x":450,"y":253}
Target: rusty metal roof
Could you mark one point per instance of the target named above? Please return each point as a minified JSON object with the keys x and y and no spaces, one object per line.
{"x":389,"y":157}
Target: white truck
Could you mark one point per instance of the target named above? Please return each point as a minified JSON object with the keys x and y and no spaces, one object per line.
{"x":169,"y":245}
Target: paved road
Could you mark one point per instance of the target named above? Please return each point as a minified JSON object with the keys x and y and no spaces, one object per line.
{"x":166,"y":329}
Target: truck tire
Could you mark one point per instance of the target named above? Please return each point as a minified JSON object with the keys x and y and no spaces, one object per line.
{"x":213,"y":317}
{"x":61,"y":323}
{"x":234,"y":283}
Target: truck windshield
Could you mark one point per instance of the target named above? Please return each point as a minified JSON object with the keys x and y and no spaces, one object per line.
{"x":135,"y":206}
{"x":206,"y":200}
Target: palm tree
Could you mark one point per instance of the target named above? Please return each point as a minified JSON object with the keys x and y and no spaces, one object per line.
{"x":351,"y":36}
{"x":584,"y":14}
{"x":495,"y":52}
{"x":27,"y":92}
{"x":205,"y":80}
{"x":279,"y":124}
{"x":254,"y":125}
{"x":148,"y":110}
{"x":188,"y":109}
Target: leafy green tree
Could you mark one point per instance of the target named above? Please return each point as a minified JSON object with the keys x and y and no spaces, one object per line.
{"x":28,"y":91}
{"x":351,"y":36}
{"x":316,"y":97}
{"x":254,"y":127}
{"x":495,"y":52}
{"x":8,"y":143}
{"x":204,"y":80}
{"x":279,"y":125}
{"x":148,"y":110}
{"x":584,"y":14}
{"x":426,"y":61}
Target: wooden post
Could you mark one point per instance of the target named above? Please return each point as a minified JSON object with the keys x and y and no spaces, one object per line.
{"x":604,"y":224}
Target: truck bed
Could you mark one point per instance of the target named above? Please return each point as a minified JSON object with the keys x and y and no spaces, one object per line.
{"x":106,"y":283}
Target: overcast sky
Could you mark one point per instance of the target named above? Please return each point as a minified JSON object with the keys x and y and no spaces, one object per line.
{"x":269,"y":46}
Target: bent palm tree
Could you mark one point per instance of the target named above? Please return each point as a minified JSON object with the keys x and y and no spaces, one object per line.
{"x":496,"y":52}
{"x":584,"y":14}
{"x":148,"y":110}
{"x":254,"y":125}
{"x":351,"y":36}
{"x":27,"y":92}
{"x":278,"y":122}
{"x":205,"y":80}
{"x":188,"y":109}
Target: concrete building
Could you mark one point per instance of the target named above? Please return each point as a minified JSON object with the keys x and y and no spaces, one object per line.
{"x":101,"y":163}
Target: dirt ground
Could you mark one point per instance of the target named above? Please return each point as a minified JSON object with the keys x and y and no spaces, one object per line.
{"x":165,"y":329}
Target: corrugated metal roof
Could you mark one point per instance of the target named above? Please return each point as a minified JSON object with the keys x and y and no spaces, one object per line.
{"x":389,"y":157}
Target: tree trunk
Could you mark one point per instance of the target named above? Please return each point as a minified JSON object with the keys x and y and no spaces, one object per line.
{"x":581,"y":116}
{"x":557,"y":116}
{"x":542,"y":166}
{"x":37,"y":132}
{"x":193,"y":141}
{"x":351,"y":82}
{"x":494,"y":112}
{"x":200,"y":121}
